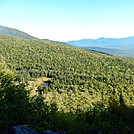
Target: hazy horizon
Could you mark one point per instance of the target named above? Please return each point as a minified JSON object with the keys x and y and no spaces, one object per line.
{"x":66,"y":20}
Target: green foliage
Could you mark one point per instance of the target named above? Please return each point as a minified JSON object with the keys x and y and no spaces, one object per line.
{"x":18,"y":108}
{"x":69,"y":68}
{"x":14,"y":101}
{"x":80,"y":80}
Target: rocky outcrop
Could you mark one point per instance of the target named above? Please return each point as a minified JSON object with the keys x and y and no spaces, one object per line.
{"x":27,"y":130}
{"x":23,"y":130}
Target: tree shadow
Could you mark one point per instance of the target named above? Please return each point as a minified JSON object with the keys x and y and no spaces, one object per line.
{"x":17,"y":107}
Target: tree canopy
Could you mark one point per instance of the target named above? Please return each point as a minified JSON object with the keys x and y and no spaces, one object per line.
{"x":80,"y":80}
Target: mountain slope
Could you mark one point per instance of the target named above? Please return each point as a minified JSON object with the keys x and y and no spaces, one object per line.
{"x":69,"y":68}
{"x":81,"y":81}
{"x":14,"y":32}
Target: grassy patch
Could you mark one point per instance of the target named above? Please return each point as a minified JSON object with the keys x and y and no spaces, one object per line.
{"x":34,"y":83}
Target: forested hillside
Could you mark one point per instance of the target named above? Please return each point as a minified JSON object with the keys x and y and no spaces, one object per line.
{"x":81,"y":82}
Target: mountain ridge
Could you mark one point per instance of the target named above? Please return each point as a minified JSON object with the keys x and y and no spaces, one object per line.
{"x":13,"y":32}
{"x":114,"y":46}
{"x":115,"y":43}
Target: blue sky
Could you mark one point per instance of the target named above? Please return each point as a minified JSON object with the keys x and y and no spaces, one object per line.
{"x":64,"y":20}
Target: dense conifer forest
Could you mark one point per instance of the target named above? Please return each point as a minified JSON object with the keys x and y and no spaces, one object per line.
{"x":85,"y":89}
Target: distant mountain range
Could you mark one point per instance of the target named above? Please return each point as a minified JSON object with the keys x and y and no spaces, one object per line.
{"x":13,"y":32}
{"x":115,"y":46}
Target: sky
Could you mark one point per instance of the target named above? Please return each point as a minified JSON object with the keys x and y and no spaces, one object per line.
{"x":65,"y":20}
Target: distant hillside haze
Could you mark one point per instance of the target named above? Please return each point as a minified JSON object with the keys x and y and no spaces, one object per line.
{"x":111,"y":51}
{"x":114,"y":46}
{"x":115,"y":43}
{"x":14,"y":32}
